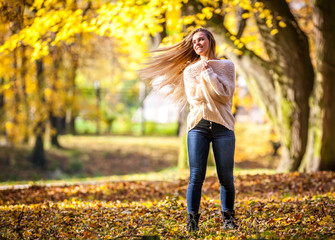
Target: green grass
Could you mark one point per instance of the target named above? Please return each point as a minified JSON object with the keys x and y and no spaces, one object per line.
{"x":127,"y":128}
{"x":119,"y":158}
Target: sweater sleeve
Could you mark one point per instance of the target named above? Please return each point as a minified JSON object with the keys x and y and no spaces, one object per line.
{"x":221,"y":86}
{"x":192,"y":89}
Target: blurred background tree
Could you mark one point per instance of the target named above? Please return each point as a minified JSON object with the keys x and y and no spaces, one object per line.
{"x":67,"y":61}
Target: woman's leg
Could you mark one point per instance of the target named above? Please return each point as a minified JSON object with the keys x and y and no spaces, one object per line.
{"x":224,"y":149}
{"x":198,"y":148}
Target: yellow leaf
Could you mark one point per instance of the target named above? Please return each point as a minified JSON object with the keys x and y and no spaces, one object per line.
{"x":188,"y":19}
{"x":47,"y":92}
{"x":282,"y":24}
{"x":217,"y":11}
{"x":259,"y":4}
{"x":245,"y":15}
{"x":201,"y":16}
{"x":274,"y":31}
{"x":238,"y":52}
{"x":233,"y":38}
{"x":9,"y":126}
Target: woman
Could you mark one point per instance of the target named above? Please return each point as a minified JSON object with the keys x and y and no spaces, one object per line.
{"x":191,"y":67}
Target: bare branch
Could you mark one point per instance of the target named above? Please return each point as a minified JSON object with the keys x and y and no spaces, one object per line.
{"x":242,"y":22}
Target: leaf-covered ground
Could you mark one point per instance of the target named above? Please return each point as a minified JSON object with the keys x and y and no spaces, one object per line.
{"x":280,"y":206}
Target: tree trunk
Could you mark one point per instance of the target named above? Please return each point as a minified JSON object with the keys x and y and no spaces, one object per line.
{"x":73,"y":92}
{"x":2,"y":103}
{"x":38,"y":155}
{"x":311,"y":159}
{"x":53,"y":106}
{"x":283,"y":83}
{"x":55,"y":124}
{"x":17,"y":25}
{"x":182,"y":133}
{"x":24,"y":70}
{"x":324,"y":21}
{"x":97,"y":106}
{"x":294,"y":77}
{"x":183,"y":153}
{"x":15,"y":102}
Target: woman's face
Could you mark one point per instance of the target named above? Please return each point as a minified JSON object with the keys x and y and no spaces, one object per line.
{"x":200,"y":43}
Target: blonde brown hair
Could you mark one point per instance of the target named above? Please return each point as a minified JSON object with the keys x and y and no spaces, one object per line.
{"x":166,"y":68}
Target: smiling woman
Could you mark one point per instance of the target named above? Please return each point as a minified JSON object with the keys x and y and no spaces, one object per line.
{"x":201,"y":44}
{"x":208,"y":87}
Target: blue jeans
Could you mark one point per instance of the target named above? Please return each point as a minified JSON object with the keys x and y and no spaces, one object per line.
{"x":198,"y":141}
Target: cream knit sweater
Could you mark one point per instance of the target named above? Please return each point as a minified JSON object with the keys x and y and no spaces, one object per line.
{"x":210,"y":92}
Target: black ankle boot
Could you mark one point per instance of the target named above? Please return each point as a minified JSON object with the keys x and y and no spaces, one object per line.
{"x":192,"y":222}
{"x":229,"y":220}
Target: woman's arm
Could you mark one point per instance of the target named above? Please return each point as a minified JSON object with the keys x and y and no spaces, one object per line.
{"x":221,"y":86}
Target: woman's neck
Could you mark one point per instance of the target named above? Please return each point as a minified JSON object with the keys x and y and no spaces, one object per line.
{"x":206,"y":58}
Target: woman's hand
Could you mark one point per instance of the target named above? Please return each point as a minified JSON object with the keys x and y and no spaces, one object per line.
{"x":205,"y":65}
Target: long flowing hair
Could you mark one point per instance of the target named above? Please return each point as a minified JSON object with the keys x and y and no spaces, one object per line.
{"x":165,"y":69}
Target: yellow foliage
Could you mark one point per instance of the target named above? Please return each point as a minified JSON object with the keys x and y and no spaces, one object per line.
{"x":274,"y":31}
{"x":188,"y":19}
{"x":200,"y":16}
{"x":9,"y":126}
{"x":237,"y":51}
{"x":208,"y":12}
{"x":233,"y":38}
{"x":240,"y":45}
{"x":47,"y":93}
{"x":282,"y":24}
{"x":218,"y":11}
{"x":245,"y":15}
{"x":259,"y":5}
{"x":4,"y":87}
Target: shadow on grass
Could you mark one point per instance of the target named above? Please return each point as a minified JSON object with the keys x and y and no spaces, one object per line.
{"x":85,"y":161}
{"x":97,"y":156}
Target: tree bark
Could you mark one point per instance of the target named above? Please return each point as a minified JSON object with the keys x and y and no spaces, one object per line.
{"x":182,"y":133}
{"x":23,"y":75}
{"x":55,"y":124}
{"x":53,"y":109}
{"x":294,"y":78}
{"x":283,"y":83}
{"x":324,"y":21}
{"x":15,"y":104}
{"x":38,"y":155}
{"x":72,"y":112}
{"x":2,"y":102}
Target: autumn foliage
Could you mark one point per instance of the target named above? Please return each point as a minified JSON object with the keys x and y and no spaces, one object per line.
{"x":281,"y":206}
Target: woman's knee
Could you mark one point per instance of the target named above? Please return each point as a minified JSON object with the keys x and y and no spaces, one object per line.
{"x":226,"y":180}
{"x":197,"y":176}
